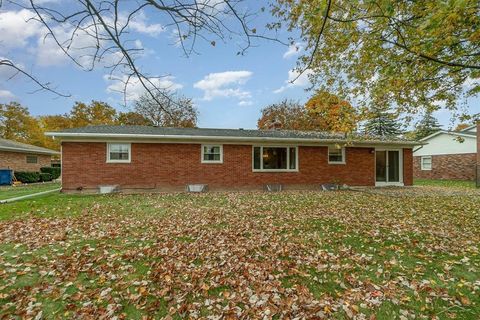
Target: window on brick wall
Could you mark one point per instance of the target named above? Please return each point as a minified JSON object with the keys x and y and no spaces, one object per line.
{"x":212,"y":153}
{"x":119,"y":152}
{"x":32,"y":159}
{"x":336,"y":155}
{"x":426,"y":163}
{"x":266,"y":158}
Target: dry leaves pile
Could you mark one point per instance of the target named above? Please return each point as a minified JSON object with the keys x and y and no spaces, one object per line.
{"x":288,"y":255}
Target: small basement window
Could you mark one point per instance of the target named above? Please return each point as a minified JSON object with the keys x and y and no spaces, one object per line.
{"x":119,"y":152}
{"x":32,"y":159}
{"x":426,"y":163}
{"x":212,"y":153}
{"x":336,"y":155}
{"x":275,"y":159}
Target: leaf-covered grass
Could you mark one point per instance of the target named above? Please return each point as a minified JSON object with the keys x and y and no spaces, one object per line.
{"x":445,"y":183}
{"x":7,"y":192}
{"x":397,"y":253}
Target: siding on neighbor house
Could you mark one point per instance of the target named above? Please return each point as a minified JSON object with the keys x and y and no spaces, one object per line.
{"x":170,"y":166}
{"x":17,"y":161}
{"x":448,"y":167}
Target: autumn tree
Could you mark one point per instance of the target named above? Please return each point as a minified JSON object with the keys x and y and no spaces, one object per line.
{"x":54,"y":123}
{"x":17,"y":124}
{"x":380,"y":122}
{"x":95,"y":113}
{"x":329,"y":112}
{"x":461,"y":126}
{"x":168,"y":109}
{"x":287,"y":115}
{"x":415,"y":54}
{"x":426,"y":126}
{"x":132,"y":118}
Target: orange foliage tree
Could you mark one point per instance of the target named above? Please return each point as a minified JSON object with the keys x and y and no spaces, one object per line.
{"x":286,"y":115}
{"x":329,"y":112}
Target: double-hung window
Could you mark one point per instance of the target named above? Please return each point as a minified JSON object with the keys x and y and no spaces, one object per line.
{"x":336,"y":155}
{"x":426,"y":163}
{"x":119,"y":152}
{"x":32,"y":159}
{"x":266,"y":158}
{"x":212,"y":153}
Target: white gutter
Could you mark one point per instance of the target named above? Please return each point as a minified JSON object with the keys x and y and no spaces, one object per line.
{"x":222,"y":138}
{"x":28,"y":150}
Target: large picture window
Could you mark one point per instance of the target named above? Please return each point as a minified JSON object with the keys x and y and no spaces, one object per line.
{"x":266,"y":158}
{"x":212,"y":153}
{"x":118,"y":152}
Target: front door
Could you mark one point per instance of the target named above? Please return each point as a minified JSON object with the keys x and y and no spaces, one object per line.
{"x":388,"y":167}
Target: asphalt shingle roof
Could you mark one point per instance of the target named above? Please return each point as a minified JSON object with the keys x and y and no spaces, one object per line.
{"x":10,"y":145}
{"x":234,"y":133}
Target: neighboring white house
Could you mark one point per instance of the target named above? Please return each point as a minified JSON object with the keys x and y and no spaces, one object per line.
{"x":447,"y":155}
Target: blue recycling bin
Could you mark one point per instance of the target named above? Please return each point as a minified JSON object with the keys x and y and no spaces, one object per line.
{"x":6,"y":176}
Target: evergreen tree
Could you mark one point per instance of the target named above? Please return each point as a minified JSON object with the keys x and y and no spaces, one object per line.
{"x":426,"y":126}
{"x":382,"y":123}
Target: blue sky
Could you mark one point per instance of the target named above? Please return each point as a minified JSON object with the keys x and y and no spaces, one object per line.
{"x":228,"y":89}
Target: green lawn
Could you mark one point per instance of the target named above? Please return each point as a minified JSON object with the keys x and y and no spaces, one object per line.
{"x":398,"y":254}
{"x":445,"y":183}
{"x":7,"y":192}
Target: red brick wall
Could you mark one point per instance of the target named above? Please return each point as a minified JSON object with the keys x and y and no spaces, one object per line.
{"x":172,"y":166}
{"x":448,"y":166}
{"x":18,"y":161}
{"x":408,"y":167}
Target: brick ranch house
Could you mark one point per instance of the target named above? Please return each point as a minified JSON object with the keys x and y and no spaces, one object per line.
{"x":24,"y":157}
{"x":143,"y":157}
{"x":452,"y":155}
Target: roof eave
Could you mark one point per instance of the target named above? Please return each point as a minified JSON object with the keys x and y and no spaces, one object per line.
{"x":11,"y":149}
{"x":451,"y":133}
{"x":72,"y":136}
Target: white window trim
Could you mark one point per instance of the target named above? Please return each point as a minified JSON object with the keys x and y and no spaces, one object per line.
{"x":421,"y":163}
{"x":344,"y":160}
{"x":211,"y":161}
{"x":274,"y":170}
{"x":119,"y":161}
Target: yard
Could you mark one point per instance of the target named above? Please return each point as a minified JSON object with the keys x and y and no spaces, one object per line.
{"x":8,"y":192}
{"x":393,"y":253}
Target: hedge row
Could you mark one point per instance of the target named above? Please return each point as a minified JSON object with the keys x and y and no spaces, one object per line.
{"x":53,"y":171}
{"x":45,"y":174}
{"x":27,"y":177}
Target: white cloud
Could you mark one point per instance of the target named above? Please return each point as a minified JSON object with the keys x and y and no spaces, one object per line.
{"x":225,"y":84}
{"x":135,"y":89}
{"x":293,"y":50}
{"x":5,"y":94}
{"x":16,"y":27}
{"x":294,"y":80}
{"x":245,"y":103}
{"x":139,"y":24}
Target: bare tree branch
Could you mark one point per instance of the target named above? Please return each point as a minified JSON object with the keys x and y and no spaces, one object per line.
{"x":104,"y":26}
{"x":17,"y":70}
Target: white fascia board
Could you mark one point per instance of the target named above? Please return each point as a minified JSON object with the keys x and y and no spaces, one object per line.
{"x":451,"y":133}
{"x":97,"y":136}
{"x":28,"y":151}
{"x":468,"y":128}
